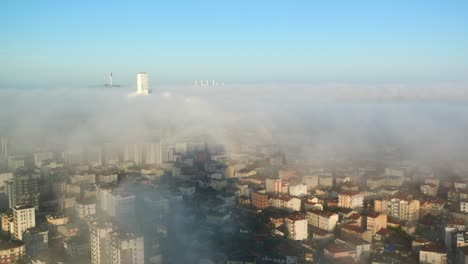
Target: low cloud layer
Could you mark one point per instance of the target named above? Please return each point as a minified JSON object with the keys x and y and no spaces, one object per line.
{"x":427,"y":122}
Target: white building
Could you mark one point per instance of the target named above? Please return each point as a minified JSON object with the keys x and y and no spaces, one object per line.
{"x":350,"y":199}
{"x":39,"y":157}
{"x":322,"y":219}
{"x":126,"y":248}
{"x":298,"y":190}
{"x":142,"y":83}
{"x":24,"y":217}
{"x":464,"y":206}
{"x":431,"y":254}
{"x":326,"y":180}
{"x":133,"y":152}
{"x":153,"y":153}
{"x":297,"y":227}
{"x":85,"y":208}
{"x":285,"y":202}
{"x":116,"y":203}
{"x":311,"y":181}
{"x":100,"y":242}
{"x":405,"y":209}
{"x":273,"y":185}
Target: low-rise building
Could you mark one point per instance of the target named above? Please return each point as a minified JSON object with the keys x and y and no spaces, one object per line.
{"x":322,"y":219}
{"x":432,"y":254}
{"x":350,"y":199}
{"x":12,"y":251}
{"x":376,"y":221}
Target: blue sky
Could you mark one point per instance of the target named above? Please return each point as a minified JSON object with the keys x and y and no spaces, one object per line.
{"x":57,"y":43}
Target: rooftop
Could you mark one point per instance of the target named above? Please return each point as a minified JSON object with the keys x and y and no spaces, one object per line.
{"x":373,"y":214}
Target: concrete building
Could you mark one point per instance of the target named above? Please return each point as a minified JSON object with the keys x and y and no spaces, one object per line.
{"x":404,"y":209}
{"x":12,"y":251}
{"x":24,"y":217}
{"x":311,"y":181}
{"x":429,"y":189}
{"x":40,"y":157}
{"x":259,"y":200}
{"x":126,"y":248}
{"x":326,"y":181}
{"x":36,"y":240}
{"x":100,"y":242}
{"x":142,"y":83}
{"x":110,"y":245}
{"x":4,"y":147}
{"x":432,"y":254}
{"x":85,"y":208}
{"x":350,"y":199}
{"x":322,"y":219}
{"x":133,"y":152}
{"x":376,"y":221}
{"x":116,"y":202}
{"x":94,"y":156}
{"x":273,"y":185}
{"x":76,"y":246}
{"x":464,"y":206}
{"x":23,"y":189}
{"x":15,"y":162}
{"x":297,"y":227}
{"x":152,"y":153}
{"x":285,"y":202}
{"x":298,"y":190}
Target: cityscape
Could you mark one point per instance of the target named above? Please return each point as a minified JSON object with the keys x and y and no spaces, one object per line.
{"x":312,"y":142}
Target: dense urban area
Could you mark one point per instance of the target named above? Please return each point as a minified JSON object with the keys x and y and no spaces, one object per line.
{"x":187,"y":200}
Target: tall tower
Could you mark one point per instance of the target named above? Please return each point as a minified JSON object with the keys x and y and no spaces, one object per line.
{"x":24,"y":217}
{"x":142,"y":83}
{"x":23,"y":189}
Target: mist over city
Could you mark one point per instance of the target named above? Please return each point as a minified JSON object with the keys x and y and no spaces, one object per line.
{"x":239,"y":133}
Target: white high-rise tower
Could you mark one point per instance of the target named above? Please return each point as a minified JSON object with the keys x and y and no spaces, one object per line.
{"x":142,"y":83}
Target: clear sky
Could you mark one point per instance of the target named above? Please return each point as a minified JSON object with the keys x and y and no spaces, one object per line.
{"x":56,"y":43}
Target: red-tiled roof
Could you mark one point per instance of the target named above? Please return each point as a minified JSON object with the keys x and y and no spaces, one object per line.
{"x":373,"y":214}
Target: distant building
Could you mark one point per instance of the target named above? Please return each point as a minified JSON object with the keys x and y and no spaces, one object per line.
{"x":23,"y":189}
{"x":273,"y":185}
{"x":40,"y":157}
{"x":142,"y":83}
{"x":326,"y":181}
{"x":152,"y":153}
{"x":298,"y":190}
{"x":133,"y":152}
{"x":16,"y":162}
{"x":311,"y":181}
{"x":76,"y":246}
{"x":24,"y":217}
{"x":85,"y":208}
{"x":116,"y":202}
